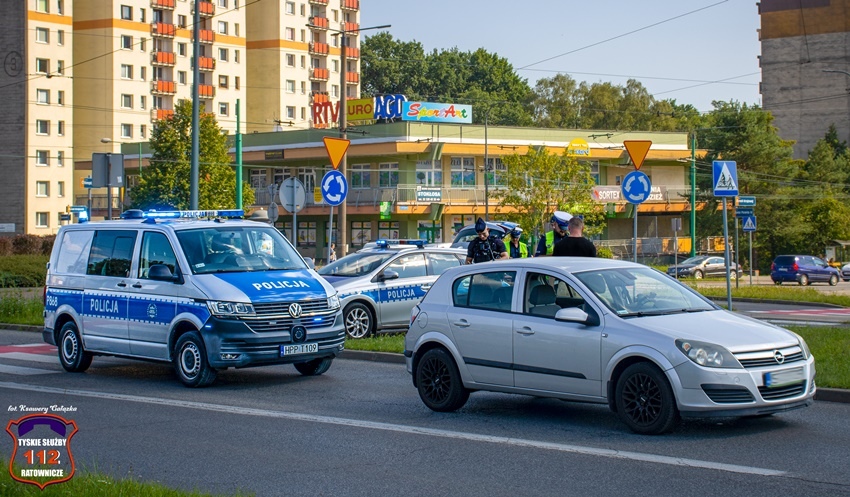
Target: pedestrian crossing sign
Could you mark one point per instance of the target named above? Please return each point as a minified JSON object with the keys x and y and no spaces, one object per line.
{"x":749,"y":223}
{"x":725,"y":178}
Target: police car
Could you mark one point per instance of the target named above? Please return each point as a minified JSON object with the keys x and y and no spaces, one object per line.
{"x":380,"y":284}
{"x":204,"y":294}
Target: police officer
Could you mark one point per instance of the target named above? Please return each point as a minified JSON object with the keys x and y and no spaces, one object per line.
{"x":516,"y":248}
{"x":560,"y":221}
{"x":485,"y":247}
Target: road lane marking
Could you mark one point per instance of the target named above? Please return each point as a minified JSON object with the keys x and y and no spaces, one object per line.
{"x":23,"y":371}
{"x":415,"y":430}
{"x":23,"y":356}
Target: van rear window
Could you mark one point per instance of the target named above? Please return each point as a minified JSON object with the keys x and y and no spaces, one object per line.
{"x":73,"y":252}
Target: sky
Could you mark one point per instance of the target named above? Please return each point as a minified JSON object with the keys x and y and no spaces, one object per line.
{"x":693,"y":51}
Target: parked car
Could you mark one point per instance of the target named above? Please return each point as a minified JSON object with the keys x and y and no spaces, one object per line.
{"x":499,"y":229}
{"x":845,"y":272}
{"x":702,"y":266}
{"x":601,"y":331}
{"x":379,"y":285}
{"x":802,"y":269}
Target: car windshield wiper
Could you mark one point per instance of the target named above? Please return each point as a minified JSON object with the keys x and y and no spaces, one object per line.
{"x":664,"y":312}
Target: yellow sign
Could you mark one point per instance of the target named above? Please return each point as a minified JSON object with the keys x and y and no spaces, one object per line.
{"x":336,"y":148}
{"x":578,"y":148}
{"x":637,"y":150}
{"x":362,"y":109}
{"x":317,"y":195}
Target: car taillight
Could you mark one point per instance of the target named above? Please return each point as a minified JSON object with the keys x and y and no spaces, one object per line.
{"x":413,"y":313}
{"x":44,"y":295}
{"x":795,"y":267}
{"x":773,"y":266}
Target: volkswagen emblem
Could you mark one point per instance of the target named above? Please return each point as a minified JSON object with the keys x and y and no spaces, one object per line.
{"x":295,"y":310}
{"x":778,"y":356}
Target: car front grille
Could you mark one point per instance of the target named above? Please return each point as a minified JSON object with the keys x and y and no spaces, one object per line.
{"x":275,"y":317}
{"x":783,"y":392}
{"x":725,"y":394}
{"x":767,"y":358}
{"x":240,"y":346}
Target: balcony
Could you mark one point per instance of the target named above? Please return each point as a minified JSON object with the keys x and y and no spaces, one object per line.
{"x":321,"y":97}
{"x":350,"y":5}
{"x":161,"y":114}
{"x":319,"y":2}
{"x":205,"y":9}
{"x":320,"y":22}
{"x":352,"y":77}
{"x":352,"y":53}
{"x":317,"y":48}
{"x":163,"y":87}
{"x":319,"y":74}
{"x":206,"y":91}
{"x":163,"y":4}
{"x":163,"y":29}
{"x":350,"y":27}
{"x":206,"y":63}
{"x":206,"y":36}
{"x":162,"y":58}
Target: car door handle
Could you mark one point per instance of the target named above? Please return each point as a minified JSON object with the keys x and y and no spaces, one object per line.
{"x":137,"y":285}
{"x":426,"y":287}
{"x":461,"y":323}
{"x":525,"y":330}
{"x":121,"y":284}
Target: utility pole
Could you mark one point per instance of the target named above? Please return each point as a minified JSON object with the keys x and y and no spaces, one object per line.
{"x":196,"y":75}
{"x":343,"y":164}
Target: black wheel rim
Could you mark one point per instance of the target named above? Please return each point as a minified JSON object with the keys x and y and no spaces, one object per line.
{"x":435,"y":380}
{"x":69,"y":347}
{"x":642,"y":400}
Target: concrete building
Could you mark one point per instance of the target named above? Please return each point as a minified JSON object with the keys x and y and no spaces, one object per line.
{"x":800,"y":41}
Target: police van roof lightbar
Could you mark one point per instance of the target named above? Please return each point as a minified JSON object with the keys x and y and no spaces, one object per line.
{"x":227,"y":213}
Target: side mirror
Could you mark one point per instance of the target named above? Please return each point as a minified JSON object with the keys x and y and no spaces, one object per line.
{"x":160,"y":272}
{"x":388,"y":274}
{"x":576,"y":315}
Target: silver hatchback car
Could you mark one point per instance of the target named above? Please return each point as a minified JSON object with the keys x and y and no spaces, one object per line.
{"x":378,"y":285}
{"x":602,"y":331}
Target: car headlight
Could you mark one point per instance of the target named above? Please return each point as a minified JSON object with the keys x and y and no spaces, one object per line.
{"x":803,"y":346}
{"x":333,"y":301}
{"x":707,"y":354}
{"x":230,"y":309}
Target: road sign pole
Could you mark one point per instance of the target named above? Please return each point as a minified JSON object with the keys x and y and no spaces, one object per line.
{"x":330,"y":234}
{"x":751,"y":258}
{"x":726,"y":255}
{"x":294,"y":218}
{"x":634,"y":241}
{"x":736,"y":252}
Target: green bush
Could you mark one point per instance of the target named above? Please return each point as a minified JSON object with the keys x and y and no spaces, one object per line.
{"x":604,"y":252}
{"x":26,"y":245}
{"x":20,"y":271}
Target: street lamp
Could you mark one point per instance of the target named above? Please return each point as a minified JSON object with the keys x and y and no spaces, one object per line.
{"x":343,"y":220}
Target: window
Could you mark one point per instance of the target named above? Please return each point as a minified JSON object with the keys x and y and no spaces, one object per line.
{"x":222,"y":3}
{"x":463,"y":171}
{"x":236,"y":28}
{"x":222,"y":54}
{"x":42,"y":35}
{"x":336,"y":66}
{"x":496,"y":171}
{"x":60,"y":8}
{"x":126,"y":13}
{"x":303,"y":10}
{"x":126,"y":71}
{"x":222,"y":81}
{"x":545,"y":295}
{"x":143,"y":44}
{"x":42,"y":188}
{"x":236,"y":56}
{"x":361,"y":232}
{"x":290,"y":112}
{"x":290,"y":8}
{"x":41,"y":158}
{"x":181,"y":21}
{"x":303,"y":88}
{"x":388,"y":175}
{"x":290,"y":86}
{"x":303,"y":113}
{"x":143,"y":131}
{"x":142,"y":15}
{"x":223,"y":109}
{"x":126,"y":42}
{"x":303,"y":62}
{"x":360,"y":176}
{"x":126,"y":130}
{"x":428,"y":173}
{"x":143,"y":73}
{"x":335,"y":90}
{"x":491,"y":291}
{"x":42,"y":66}
{"x":594,"y":171}
{"x":60,"y":190}
{"x":42,"y":127}
{"x":74,"y":251}
{"x":41,"y":220}
{"x":60,"y":37}
{"x":126,"y":101}
{"x":290,"y":60}
{"x":181,"y":49}
{"x":181,"y":77}
{"x":409,"y":266}
{"x":41,"y":6}
{"x":60,"y":97}
{"x":222,"y":27}
{"x":156,"y":250}
{"x":388,"y":230}
{"x":60,"y":158}
{"x":143,"y":102}
{"x":42,"y":96}
{"x":60,"y":66}
{"x":236,"y":82}
{"x":60,"y":128}
{"x":289,"y":34}
{"x":111,"y":253}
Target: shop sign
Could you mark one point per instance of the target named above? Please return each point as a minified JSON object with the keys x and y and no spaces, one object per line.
{"x":436,"y":112}
{"x":578,"y":148}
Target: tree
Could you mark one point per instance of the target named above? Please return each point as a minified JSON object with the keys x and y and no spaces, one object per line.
{"x":542,"y":183}
{"x":392,"y":66}
{"x":166,"y":182}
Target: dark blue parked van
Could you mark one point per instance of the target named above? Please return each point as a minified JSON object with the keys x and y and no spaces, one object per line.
{"x":802,"y":269}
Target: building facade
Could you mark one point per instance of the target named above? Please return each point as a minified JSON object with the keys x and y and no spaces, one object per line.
{"x":805,"y":67}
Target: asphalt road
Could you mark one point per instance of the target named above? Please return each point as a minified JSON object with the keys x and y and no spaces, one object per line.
{"x":361,"y":429}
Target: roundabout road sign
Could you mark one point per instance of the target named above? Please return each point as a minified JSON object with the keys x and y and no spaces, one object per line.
{"x":334,"y":187}
{"x":636,"y":187}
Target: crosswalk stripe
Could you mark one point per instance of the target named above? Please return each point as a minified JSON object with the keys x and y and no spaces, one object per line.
{"x":23,"y":356}
{"x":23,"y":371}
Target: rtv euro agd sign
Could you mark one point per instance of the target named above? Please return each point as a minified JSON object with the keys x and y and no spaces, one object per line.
{"x":391,"y":107}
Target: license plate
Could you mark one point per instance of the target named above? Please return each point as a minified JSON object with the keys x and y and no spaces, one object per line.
{"x":783,"y":378}
{"x":301,"y":348}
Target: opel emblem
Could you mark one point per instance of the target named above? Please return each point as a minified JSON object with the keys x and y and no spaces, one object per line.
{"x":295,"y":310}
{"x":778,"y":356}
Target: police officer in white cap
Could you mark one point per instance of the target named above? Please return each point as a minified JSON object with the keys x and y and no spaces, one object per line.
{"x":486,"y":247}
{"x":560,"y":222}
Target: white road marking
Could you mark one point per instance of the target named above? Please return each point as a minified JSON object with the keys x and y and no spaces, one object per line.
{"x":23,"y":371}
{"x":415,"y":430}
{"x":23,"y":356}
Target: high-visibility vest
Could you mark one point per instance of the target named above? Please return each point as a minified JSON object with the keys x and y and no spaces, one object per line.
{"x":523,"y":249}
{"x":550,"y":242}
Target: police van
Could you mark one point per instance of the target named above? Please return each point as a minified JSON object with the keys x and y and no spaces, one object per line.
{"x":200,"y":289}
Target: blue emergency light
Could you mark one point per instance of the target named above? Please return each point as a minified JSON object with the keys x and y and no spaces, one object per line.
{"x":227,"y":214}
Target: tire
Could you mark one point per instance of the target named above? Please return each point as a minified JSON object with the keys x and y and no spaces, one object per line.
{"x":314,"y":367}
{"x":645,"y":400}
{"x":190,"y":361}
{"x":698,"y":274}
{"x":359,"y":322}
{"x":804,"y":280}
{"x":833,"y":280}
{"x":438,"y":382}
{"x":71,"y":353}
{"x":778,"y":282}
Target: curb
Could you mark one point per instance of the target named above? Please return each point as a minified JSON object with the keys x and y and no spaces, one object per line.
{"x":783,"y":302}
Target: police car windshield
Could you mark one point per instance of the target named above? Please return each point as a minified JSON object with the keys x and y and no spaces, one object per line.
{"x":357,"y":264}
{"x":233,"y":249}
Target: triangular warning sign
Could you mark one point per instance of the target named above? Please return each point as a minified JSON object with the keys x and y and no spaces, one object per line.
{"x":725,"y":181}
{"x":637,"y":150}
{"x":749,"y":225}
{"x":336,"y":148}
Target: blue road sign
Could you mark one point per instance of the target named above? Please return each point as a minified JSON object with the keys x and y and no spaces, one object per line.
{"x":747,"y":201}
{"x":334,"y":187}
{"x":749,"y":223}
{"x":636,"y":187}
{"x":87,"y":182}
{"x":725,"y":173}
{"x":743,"y":211}
{"x":78,"y":208}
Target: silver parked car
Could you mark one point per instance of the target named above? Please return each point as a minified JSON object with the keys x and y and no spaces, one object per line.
{"x":845,"y":272}
{"x":602,"y":331}
{"x":379,"y":285}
